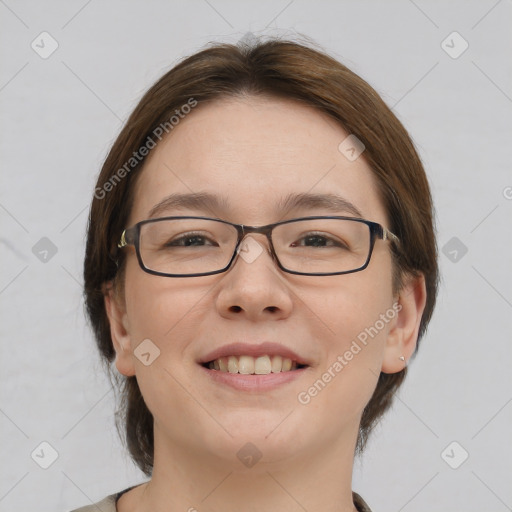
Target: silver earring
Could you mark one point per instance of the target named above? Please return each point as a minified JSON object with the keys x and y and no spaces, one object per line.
{"x":402,"y":358}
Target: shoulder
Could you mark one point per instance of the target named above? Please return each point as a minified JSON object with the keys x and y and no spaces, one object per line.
{"x":109,"y":504}
{"x":106,"y":505}
{"x":359,"y":503}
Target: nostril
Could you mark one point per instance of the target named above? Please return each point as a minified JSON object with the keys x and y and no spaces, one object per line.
{"x":235,"y":309}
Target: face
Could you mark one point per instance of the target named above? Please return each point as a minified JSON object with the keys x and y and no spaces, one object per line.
{"x":251,"y":153}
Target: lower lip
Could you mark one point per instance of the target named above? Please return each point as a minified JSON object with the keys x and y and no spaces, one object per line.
{"x":243,"y":382}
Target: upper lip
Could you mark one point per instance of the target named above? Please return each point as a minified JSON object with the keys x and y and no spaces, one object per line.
{"x":254,"y":350}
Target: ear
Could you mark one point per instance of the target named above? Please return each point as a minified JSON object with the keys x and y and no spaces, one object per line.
{"x":403,"y":336}
{"x":119,"y":332}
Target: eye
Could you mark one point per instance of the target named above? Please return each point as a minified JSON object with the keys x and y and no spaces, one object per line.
{"x":190,"y":240}
{"x":319,"y":240}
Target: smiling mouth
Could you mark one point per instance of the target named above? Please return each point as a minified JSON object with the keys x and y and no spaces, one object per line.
{"x":248,"y":365}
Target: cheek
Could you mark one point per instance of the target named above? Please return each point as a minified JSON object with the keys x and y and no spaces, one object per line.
{"x":158,"y":307}
{"x":163,"y":311}
{"x":359,"y":301}
{"x":360,"y":315}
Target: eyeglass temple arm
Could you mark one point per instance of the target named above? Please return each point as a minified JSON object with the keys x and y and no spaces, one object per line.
{"x":122,"y":242}
{"x":388,"y":235}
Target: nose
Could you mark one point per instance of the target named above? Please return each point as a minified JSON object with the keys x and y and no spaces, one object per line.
{"x":253,"y":287}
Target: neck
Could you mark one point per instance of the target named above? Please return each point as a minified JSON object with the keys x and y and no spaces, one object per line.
{"x":303,"y":481}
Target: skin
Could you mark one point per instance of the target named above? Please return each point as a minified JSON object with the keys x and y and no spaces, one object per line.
{"x":255,"y":150}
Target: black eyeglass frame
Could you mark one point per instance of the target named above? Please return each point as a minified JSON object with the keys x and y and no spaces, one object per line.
{"x":131,"y":236}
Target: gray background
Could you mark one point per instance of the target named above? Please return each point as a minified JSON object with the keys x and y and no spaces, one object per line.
{"x":59,"y":118}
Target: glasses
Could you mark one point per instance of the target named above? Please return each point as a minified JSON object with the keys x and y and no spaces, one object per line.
{"x":201,"y":246}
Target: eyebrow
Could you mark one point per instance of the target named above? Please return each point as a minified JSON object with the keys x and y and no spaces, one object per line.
{"x":201,"y":201}
{"x":306,"y":201}
{"x":206,"y":202}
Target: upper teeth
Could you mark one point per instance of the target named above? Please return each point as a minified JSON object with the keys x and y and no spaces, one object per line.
{"x":249,"y":365}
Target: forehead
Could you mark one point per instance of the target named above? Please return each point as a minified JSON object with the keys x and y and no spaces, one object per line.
{"x":254,"y":153}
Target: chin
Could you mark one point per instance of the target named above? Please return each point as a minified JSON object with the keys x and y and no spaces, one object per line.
{"x":271,"y":436}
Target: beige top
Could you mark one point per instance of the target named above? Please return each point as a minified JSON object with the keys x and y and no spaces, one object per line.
{"x":109,"y":504}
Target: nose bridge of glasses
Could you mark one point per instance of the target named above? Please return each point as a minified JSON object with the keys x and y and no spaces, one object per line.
{"x":263,"y":240}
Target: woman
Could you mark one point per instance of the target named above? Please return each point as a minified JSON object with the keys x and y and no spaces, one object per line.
{"x":260,"y":266}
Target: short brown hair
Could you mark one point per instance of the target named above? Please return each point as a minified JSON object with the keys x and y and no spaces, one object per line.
{"x":280,"y":69}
